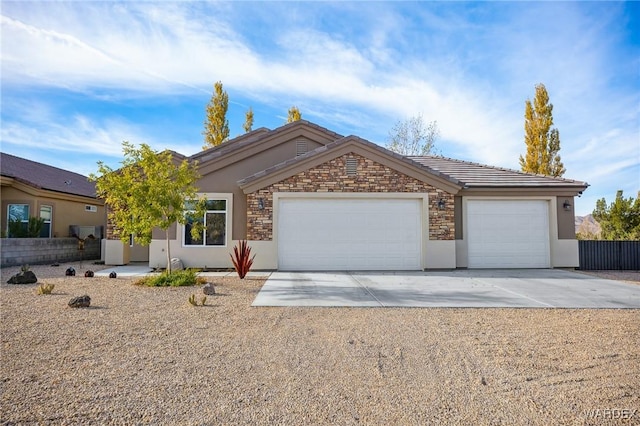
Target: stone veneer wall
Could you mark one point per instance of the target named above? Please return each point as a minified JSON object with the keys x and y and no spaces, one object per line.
{"x":112,"y":232}
{"x":332,"y":177}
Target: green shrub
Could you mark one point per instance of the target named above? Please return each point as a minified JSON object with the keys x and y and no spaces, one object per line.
{"x":29,"y":229}
{"x":186,"y":277}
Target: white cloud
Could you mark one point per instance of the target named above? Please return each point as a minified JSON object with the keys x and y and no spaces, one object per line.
{"x":396,"y":62}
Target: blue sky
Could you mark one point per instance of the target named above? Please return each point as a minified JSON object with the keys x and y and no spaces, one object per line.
{"x":78,"y":78}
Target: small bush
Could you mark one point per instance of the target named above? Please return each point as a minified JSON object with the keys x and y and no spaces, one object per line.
{"x":186,"y":277}
{"x":45,"y":288}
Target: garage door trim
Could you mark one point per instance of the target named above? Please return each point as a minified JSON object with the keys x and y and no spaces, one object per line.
{"x":535,"y":253}
{"x":422,"y":207}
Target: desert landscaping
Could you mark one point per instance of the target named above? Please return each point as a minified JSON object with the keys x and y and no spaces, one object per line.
{"x":141,"y":355}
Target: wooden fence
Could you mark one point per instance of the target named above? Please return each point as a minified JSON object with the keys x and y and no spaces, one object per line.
{"x":611,"y":255}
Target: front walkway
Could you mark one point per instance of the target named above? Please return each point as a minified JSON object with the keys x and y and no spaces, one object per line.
{"x":141,"y":269}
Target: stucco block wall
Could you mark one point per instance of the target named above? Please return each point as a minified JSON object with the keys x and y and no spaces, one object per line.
{"x":332,"y":177}
{"x":34,"y":251}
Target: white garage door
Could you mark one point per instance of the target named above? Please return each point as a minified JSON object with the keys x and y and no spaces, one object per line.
{"x":508,"y":234}
{"x":349,"y":234}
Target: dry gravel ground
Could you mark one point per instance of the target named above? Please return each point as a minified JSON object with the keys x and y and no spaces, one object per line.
{"x":143,"y":355}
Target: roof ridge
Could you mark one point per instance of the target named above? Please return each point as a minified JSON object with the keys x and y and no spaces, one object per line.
{"x":42,"y":164}
{"x":232,"y":141}
{"x":244,"y":140}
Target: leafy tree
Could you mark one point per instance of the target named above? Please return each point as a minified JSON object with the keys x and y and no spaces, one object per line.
{"x":621,"y":219}
{"x":216,"y":125}
{"x":413,"y":137}
{"x":248,"y":120}
{"x":294,"y":114}
{"x":149,"y":191}
{"x":543,"y":142}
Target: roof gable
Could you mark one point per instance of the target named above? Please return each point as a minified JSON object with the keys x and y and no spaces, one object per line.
{"x":46,"y":177}
{"x":258,"y":141}
{"x":340,"y":147}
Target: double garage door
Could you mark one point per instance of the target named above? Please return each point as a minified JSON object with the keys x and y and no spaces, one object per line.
{"x":318,"y":234}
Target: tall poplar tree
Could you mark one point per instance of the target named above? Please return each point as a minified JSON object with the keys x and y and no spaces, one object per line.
{"x":248,"y":120}
{"x":216,"y":125}
{"x":543,"y":142}
{"x":293,"y":114}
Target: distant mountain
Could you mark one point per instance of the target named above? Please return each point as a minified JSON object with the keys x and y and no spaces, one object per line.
{"x":587,"y":225}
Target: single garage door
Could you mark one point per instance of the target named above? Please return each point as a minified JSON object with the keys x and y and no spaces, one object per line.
{"x":349,"y":234}
{"x":508,"y":234}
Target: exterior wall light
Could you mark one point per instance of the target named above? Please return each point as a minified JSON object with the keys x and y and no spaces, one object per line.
{"x":566,"y":205}
{"x":441,"y":204}
{"x":260,"y":203}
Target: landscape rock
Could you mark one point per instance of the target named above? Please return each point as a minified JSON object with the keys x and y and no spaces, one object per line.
{"x":88,"y":274}
{"x":209,"y":289}
{"x":176,"y":264}
{"x":24,"y":277}
{"x":70,"y":272}
{"x":80,"y":302}
{"x":113,"y":274}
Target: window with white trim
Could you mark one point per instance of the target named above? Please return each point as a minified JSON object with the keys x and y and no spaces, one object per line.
{"x":214,"y":221}
{"x":46,"y":214}
{"x":18,"y":219}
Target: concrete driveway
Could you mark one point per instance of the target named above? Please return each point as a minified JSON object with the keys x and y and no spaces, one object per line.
{"x":529,"y":288}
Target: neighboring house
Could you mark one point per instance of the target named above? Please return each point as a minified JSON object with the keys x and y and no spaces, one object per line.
{"x":62,"y":198}
{"x":307,"y":198}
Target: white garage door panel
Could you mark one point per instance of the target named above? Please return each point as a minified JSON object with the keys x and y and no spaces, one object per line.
{"x":349,"y":234}
{"x":508,"y":234}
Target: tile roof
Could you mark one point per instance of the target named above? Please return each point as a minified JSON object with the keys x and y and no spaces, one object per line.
{"x":42,"y":176}
{"x":251,"y":137}
{"x":464,"y":174}
{"x":475,"y":175}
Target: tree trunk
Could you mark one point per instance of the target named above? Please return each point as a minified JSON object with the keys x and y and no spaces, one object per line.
{"x":168,"y":251}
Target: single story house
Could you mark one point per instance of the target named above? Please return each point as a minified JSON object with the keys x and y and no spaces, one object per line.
{"x":307,"y":198}
{"x":65,"y":200}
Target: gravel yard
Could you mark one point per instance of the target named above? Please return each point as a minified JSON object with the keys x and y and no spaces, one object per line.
{"x":143,"y":355}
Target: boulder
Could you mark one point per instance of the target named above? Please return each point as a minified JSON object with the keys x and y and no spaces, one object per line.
{"x":80,"y":302}
{"x":209,"y":289}
{"x":24,"y":277}
{"x":70,"y":272}
{"x":176,"y":264}
{"x":113,"y":274}
{"x":88,"y":274}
